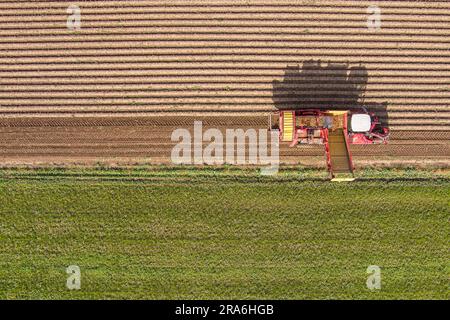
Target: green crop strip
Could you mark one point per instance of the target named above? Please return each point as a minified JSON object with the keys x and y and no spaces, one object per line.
{"x":163,"y":233}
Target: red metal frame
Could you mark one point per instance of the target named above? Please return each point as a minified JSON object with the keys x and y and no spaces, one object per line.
{"x":347,"y":144}
{"x":281,"y":126}
{"x":327,"y":151}
{"x":370,"y":137}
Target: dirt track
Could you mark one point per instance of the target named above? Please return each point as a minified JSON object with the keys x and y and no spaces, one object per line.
{"x":114,"y":90}
{"x":130,"y":140}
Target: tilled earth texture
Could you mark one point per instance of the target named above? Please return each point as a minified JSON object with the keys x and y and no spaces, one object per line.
{"x":114,"y":90}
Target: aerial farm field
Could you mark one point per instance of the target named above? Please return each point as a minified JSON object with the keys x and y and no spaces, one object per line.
{"x":222,"y":233}
{"x":114,"y":90}
{"x":87,"y":176}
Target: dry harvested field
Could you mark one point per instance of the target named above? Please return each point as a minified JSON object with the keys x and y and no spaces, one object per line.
{"x":114,"y":90}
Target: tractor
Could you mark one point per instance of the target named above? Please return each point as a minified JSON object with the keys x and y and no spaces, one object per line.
{"x":335,"y":130}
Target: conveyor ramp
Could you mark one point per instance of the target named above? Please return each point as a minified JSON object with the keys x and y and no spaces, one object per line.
{"x":341,"y":162}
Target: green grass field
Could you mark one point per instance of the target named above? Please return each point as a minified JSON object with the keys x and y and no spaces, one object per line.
{"x":228,"y":234}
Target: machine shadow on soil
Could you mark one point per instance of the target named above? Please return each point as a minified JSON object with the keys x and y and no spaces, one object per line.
{"x":324,"y":105}
{"x":332,"y":86}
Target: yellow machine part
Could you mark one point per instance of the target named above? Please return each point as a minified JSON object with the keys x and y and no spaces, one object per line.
{"x":288,"y":126}
{"x":343,"y":179}
{"x":340,"y":158}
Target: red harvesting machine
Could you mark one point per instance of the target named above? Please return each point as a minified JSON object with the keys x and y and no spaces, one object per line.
{"x":336,"y":130}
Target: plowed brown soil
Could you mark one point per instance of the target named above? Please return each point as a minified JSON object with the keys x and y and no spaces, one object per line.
{"x":130,"y":140}
{"x":115,"y":90}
